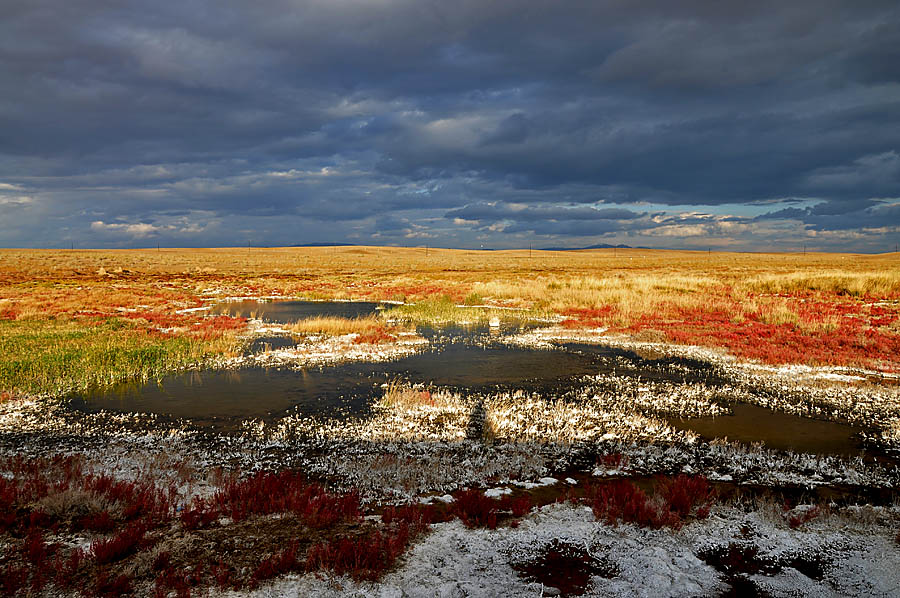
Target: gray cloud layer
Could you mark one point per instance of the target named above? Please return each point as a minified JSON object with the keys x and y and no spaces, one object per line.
{"x":742,"y":125}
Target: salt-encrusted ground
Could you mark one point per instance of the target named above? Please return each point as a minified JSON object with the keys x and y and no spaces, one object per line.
{"x":848,"y":553}
{"x":866,"y":398}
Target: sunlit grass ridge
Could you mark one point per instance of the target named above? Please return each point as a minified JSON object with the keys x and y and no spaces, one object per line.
{"x":59,"y":356}
{"x":814,"y":308}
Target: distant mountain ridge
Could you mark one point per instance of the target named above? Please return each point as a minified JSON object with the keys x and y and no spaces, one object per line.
{"x":600,"y":246}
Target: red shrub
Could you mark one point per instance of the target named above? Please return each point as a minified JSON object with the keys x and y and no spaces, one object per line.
{"x":588,"y":317}
{"x":68,"y":568}
{"x":35,"y":550}
{"x":13,"y":580}
{"x":859,"y":337}
{"x":276,"y":564}
{"x":798,"y":519}
{"x":99,"y":522}
{"x":675,"y":499}
{"x":38,"y":519}
{"x":116,"y":586}
{"x":475,"y":509}
{"x":621,"y":500}
{"x":517,"y":506}
{"x":683,"y":493}
{"x":374,"y":337}
{"x":417,"y":516}
{"x":223,"y":574}
{"x":137,"y":499}
{"x":199,"y":514}
{"x":614,"y":461}
{"x":366,"y":557}
{"x":119,"y":546}
{"x":286,"y":492}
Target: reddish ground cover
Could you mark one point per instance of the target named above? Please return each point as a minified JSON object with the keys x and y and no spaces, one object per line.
{"x":674,"y":500}
{"x":42,"y":498}
{"x":821,"y":329}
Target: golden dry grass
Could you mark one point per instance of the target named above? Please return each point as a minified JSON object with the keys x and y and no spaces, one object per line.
{"x":334,"y":326}
{"x":401,"y":396}
{"x":634,"y":286}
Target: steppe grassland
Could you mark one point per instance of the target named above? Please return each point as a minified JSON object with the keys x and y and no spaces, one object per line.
{"x":103,"y":315}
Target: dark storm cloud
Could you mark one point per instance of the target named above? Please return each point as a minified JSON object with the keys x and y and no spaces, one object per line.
{"x":314,"y":120}
{"x":842,"y":216}
{"x":496,"y":212}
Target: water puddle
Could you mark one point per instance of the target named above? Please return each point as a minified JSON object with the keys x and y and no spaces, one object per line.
{"x":469,"y":359}
{"x":782,"y":431}
{"x":222,"y":399}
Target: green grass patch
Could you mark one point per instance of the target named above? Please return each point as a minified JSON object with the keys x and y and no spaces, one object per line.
{"x":59,"y":356}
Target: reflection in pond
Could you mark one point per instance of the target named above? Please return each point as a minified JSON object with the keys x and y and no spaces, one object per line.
{"x":284,"y":312}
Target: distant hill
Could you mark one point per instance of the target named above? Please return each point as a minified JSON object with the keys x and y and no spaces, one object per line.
{"x":600,"y":246}
{"x":323,"y":245}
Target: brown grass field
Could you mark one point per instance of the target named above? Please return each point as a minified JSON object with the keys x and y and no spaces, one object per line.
{"x":74,"y":318}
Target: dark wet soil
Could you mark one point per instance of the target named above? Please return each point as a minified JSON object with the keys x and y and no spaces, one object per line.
{"x":566,"y":567}
{"x":738,"y":561}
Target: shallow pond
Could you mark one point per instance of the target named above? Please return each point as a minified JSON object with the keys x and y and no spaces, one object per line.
{"x":470,"y":359}
{"x":782,"y":431}
{"x":286,"y":312}
{"x":224,"y":398}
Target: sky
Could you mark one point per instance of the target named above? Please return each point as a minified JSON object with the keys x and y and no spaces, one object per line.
{"x":473,"y":123}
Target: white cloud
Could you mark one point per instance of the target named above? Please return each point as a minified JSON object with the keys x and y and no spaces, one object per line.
{"x":138,"y":230}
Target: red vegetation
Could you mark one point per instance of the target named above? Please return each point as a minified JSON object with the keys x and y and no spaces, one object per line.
{"x":475,"y":509}
{"x":267,"y":493}
{"x":126,"y":542}
{"x":366,"y":557}
{"x":205,"y":327}
{"x":100,"y":522}
{"x":374,"y":337}
{"x":589,"y":318}
{"x":179,"y":580}
{"x":119,"y":585}
{"x":798,"y":519}
{"x":519,"y":507}
{"x":417,"y":517}
{"x":614,"y":461}
{"x":682,"y":494}
{"x":675,"y":500}
{"x":411,"y":292}
{"x":858,"y":338}
{"x":276,"y":564}
{"x":144,"y":512}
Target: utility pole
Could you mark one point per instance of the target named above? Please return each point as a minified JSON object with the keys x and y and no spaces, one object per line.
{"x":529,"y":251}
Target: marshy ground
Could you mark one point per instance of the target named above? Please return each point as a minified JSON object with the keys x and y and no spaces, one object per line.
{"x":369,"y":421}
